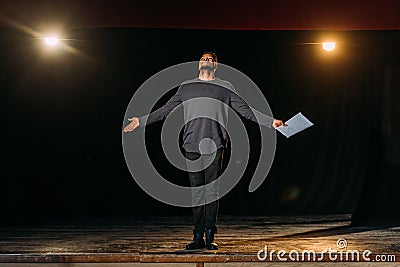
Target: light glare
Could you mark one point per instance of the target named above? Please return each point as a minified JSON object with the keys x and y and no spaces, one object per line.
{"x":329,"y":46}
{"x":51,"y":41}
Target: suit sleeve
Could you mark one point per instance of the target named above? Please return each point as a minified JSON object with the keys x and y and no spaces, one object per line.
{"x":241,"y":107}
{"x":162,"y":112}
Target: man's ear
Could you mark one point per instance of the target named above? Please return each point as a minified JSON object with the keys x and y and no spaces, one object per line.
{"x":215,"y":65}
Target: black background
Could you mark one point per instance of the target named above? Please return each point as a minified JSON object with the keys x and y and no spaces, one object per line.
{"x":63,"y":118}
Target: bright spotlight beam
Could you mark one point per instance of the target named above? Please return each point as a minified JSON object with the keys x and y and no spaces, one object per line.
{"x":51,"y":41}
{"x":329,"y":46}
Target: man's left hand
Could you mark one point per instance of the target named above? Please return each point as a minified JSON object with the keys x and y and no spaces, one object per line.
{"x":278,"y":123}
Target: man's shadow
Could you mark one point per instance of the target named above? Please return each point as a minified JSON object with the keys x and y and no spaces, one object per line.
{"x":345,"y":229}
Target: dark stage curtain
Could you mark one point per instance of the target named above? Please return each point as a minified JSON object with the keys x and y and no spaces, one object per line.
{"x":378,"y":200}
{"x":219,"y":14}
{"x":63,"y":111}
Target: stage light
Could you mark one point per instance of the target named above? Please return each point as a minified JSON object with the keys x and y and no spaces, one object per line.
{"x":51,"y":41}
{"x":329,"y":46}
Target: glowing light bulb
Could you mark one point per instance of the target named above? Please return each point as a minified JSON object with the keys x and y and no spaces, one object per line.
{"x":51,"y":41}
{"x":329,"y":46}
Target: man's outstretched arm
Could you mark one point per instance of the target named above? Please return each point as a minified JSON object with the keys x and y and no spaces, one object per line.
{"x":156,"y":115}
{"x":240,"y":106}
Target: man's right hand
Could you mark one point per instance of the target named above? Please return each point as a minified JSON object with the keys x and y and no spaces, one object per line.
{"x":133,"y":125}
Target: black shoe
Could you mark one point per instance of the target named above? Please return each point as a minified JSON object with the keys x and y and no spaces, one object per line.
{"x":210,"y":244}
{"x":197,"y":242}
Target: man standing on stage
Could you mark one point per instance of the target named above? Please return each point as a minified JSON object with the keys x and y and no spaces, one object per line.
{"x":195,"y":136}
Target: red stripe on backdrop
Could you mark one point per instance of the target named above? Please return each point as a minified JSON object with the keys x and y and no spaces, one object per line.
{"x":217,"y":14}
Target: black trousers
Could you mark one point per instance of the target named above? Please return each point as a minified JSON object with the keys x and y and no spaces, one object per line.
{"x":205,"y":215}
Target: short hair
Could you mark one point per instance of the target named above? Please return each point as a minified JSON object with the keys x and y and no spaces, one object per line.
{"x":213,"y":55}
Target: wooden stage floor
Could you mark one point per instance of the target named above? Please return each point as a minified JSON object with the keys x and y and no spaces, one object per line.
{"x":161,"y":239}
